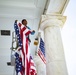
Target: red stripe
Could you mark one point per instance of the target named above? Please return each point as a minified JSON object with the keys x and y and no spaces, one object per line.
{"x":21,"y":34}
{"x":27,"y":57}
{"x":32,"y":66}
{"x":26,"y":46}
{"x":19,"y":24}
{"x":25,"y":54}
{"x":28,"y":33}
{"x":41,"y":56}
{"x":23,"y":29}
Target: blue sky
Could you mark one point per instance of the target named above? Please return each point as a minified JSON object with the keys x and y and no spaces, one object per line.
{"x":69,"y":37}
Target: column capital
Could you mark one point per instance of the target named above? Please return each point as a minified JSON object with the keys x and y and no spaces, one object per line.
{"x":51,"y":21}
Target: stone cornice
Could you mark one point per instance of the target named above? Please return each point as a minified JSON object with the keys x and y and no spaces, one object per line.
{"x":56,"y":6}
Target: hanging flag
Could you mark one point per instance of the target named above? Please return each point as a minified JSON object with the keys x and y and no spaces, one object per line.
{"x":18,"y":64}
{"x":24,"y":56}
{"x":19,"y":58}
{"x":32,"y":67}
{"x":41,"y":50}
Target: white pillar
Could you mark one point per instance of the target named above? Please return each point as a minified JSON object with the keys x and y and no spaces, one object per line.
{"x":53,"y":43}
{"x":40,"y":66}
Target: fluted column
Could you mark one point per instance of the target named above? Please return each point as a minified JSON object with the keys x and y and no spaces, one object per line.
{"x":55,"y":58}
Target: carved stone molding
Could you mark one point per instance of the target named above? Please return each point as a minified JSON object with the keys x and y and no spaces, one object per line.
{"x":52,"y":20}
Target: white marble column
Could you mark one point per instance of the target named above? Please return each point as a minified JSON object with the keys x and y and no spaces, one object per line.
{"x":55,"y":57}
{"x":40,"y":66}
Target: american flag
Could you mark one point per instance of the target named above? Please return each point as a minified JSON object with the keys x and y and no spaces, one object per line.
{"x":24,"y":56}
{"x":18,"y":64}
{"x":32,"y":67}
{"x":41,"y":50}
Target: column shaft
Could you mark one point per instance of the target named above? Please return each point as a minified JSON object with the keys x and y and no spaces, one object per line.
{"x":55,"y":58}
{"x":54,"y":52}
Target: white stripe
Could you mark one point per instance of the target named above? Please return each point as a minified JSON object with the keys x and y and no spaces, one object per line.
{"x":22,"y":56}
{"x":26,"y":30}
{"x":32,"y":61}
{"x":32,"y":67}
{"x":24,"y":42}
{"x":24,"y":47}
{"x":19,"y":73}
{"x":28,"y":54}
{"x":18,"y":22}
{"x":22,"y":26}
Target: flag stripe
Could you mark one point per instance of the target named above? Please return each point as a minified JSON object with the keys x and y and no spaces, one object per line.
{"x":41,"y":56}
{"x":41,"y":50}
